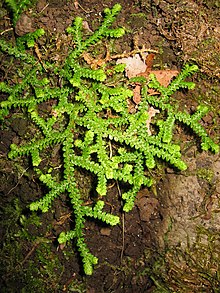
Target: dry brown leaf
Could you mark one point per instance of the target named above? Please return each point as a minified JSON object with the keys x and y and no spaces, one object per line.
{"x":151,"y":112}
{"x":149,"y":61}
{"x":147,"y":206}
{"x":94,"y":63}
{"x":76,"y":4}
{"x":134,"y":65}
{"x":164,"y":77}
{"x":137,"y":94}
{"x":86,"y":26}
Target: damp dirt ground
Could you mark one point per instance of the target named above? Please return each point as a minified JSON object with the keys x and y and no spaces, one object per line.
{"x":170,"y":241}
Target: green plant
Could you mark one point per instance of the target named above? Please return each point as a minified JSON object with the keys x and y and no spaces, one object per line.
{"x":88,"y":119}
{"x":17,"y":7}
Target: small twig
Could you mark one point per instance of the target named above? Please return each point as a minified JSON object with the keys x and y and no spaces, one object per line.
{"x":44,"y":8}
{"x":123,"y":214}
{"x":133,"y":52}
{"x":36,"y":244}
{"x":17,"y":182}
{"x":110,"y":150}
{"x":77,"y":5}
{"x":7,"y":30}
{"x":30,"y":252}
{"x":123,"y":226}
{"x":39,"y":56}
{"x":65,"y":286}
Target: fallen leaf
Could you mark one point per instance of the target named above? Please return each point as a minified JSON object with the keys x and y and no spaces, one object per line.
{"x":134,"y":65}
{"x":137,"y":94}
{"x":151,"y":112}
{"x":164,"y":77}
{"x":147,"y":207}
{"x":105,"y":231}
{"x":76,"y":4}
{"x":86,"y":26}
{"x":149,"y":61}
{"x":94,"y":63}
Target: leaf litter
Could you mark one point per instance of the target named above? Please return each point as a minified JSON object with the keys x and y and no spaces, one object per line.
{"x":137,"y":66}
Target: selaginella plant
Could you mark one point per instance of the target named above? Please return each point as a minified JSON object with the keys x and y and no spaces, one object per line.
{"x":89,"y":116}
{"x":17,"y":7}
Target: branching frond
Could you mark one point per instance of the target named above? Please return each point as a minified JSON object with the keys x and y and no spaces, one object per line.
{"x":90,"y":121}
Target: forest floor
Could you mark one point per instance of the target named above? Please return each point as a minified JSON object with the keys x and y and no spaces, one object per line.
{"x":170,"y":241}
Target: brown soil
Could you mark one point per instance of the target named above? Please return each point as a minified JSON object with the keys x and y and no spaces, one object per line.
{"x":169,"y":242}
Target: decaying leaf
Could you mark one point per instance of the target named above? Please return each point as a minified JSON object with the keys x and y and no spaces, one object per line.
{"x":164,"y":76}
{"x":147,"y":205}
{"x":151,"y":112}
{"x":95,"y":62}
{"x":134,"y":65}
{"x":137,"y":94}
{"x":86,"y":26}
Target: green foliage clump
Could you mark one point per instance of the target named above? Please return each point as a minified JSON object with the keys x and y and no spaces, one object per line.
{"x":17,"y":7}
{"x":92,"y":123}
